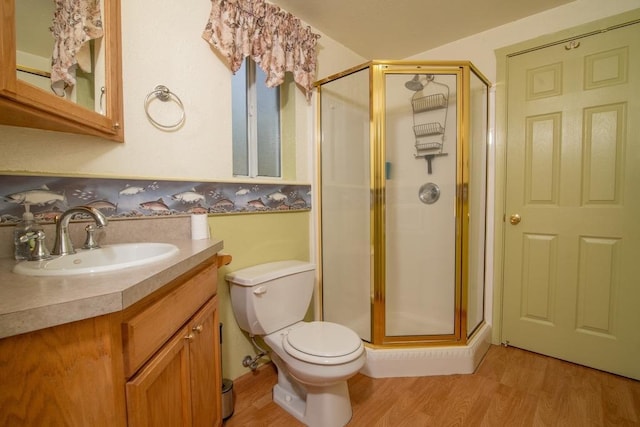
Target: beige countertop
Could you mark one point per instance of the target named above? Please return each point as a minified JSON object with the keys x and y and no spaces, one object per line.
{"x":29,"y":303}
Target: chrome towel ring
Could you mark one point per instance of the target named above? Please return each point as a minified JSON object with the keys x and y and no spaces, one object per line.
{"x":163,"y":93}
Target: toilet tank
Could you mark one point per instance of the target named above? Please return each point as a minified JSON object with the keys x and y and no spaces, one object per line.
{"x":269,"y":297}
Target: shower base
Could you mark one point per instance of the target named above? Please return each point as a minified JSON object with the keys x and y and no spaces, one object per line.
{"x":428,"y":361}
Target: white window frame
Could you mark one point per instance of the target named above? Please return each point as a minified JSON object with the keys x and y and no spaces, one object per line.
{"x":252,"y":126}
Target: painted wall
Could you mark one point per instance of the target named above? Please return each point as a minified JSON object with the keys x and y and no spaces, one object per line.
{"x":163,"y":45}
{"x":253,"y":239}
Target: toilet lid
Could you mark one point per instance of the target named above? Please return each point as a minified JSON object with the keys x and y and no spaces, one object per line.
{"x":323,"y":342}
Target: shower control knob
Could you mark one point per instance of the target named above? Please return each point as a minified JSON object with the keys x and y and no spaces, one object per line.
{"x":515,"y":219}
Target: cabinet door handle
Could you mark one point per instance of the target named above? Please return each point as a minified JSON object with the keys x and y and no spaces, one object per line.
{"x":197,"y":328}
{"x":189,"y":337}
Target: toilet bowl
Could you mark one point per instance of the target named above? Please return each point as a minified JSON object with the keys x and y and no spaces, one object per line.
{"x":313,"y":370}
{"x":314,"y":359}
{"x":318,"y":353}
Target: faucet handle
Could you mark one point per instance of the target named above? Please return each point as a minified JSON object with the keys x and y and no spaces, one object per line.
{"x":39,"y":250}
{"x":90,"y":241}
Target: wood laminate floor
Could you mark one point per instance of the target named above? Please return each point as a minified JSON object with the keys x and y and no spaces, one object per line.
{"x":511,"y":387}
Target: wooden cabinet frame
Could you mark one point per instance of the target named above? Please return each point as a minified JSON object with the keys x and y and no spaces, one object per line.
{"x":24,"y":105}
{"x":75,"y":374}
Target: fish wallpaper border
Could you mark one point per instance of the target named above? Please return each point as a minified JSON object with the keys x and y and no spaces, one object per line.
{"x":122,"y":198}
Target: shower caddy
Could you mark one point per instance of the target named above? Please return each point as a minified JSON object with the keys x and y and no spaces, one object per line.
{"x":430,"y":133}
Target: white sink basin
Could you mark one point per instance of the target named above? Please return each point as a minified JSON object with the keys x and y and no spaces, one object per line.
{"x":107,"y":258}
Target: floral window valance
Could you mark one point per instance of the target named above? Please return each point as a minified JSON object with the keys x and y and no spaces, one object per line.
{"x":276,"y":40}
{"x":75,"y":22}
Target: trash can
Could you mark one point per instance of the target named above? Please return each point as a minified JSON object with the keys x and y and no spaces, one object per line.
{"x":228,"y":398}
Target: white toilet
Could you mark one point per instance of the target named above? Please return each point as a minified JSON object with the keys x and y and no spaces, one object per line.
{"x":314,"y":359}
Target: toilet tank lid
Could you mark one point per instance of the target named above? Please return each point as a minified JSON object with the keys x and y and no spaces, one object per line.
{"x":261,"y":273}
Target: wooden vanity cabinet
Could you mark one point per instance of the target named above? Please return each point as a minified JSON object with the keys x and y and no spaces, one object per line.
{"x":66,"y":375}
{"x":181,"y":384}
{"x":182,"y":376}
{"x":155,"y":363}
{"x":204,"y":363}
{"x":165,"y":380}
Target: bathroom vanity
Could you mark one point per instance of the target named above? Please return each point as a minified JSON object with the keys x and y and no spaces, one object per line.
{"x":139,"y":347}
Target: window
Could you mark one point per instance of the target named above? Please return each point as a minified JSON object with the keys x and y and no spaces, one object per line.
{"x":256,"y":124}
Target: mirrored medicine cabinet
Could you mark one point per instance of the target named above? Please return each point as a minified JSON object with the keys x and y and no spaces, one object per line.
{"x":93,"y":106}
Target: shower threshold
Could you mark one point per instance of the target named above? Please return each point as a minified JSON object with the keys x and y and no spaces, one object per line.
{"x":428,"y":361}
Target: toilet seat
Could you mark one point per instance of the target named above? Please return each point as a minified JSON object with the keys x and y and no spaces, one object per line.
{"x":323,"y":343}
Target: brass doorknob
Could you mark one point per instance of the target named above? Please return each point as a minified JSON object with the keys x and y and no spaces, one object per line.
{"x":515,"y":219}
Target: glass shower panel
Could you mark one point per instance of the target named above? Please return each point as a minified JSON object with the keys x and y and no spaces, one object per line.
{"x":346,"y":205}
{"x":478,"y":129}
{"x":420,"y":196}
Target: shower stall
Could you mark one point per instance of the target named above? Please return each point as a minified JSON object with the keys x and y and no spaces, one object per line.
{"x":402,"y":151}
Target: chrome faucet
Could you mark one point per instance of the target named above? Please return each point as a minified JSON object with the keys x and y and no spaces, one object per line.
{"x":39,"y":251}
{"x":62,"y":244}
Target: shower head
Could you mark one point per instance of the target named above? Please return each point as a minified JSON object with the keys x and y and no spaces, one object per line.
{"x":414,"y":84}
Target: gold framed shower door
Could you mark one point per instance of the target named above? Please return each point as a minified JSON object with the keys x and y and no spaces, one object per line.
{"x":378,"y":72}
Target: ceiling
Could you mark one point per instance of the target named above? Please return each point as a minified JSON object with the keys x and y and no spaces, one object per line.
{"x":397,"y":29}
{"x":374,"y":29}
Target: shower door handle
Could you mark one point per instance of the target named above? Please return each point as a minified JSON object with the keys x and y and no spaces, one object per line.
{"x":515,"y":219}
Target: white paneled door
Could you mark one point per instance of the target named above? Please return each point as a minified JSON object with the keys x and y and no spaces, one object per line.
{"x":572,"y":200}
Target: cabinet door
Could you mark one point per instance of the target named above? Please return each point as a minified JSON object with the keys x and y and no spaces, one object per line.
{"x":160,"y":394}
{"x":25,"y":104}
{"x":63,"y":376}
{"x":204,"y":355}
